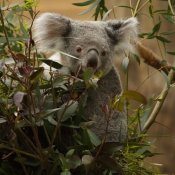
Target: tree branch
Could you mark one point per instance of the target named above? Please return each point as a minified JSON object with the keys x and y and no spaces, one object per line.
{"x":153,"y":60}
{"x":159,"y":104}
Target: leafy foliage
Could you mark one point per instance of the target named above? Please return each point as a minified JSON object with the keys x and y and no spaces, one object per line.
{"x":43,"y":130}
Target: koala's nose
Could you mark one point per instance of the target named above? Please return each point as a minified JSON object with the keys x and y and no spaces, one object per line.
{"x":92,"y":58}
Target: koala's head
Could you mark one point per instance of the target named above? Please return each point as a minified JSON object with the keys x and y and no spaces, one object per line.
{"x":94,"y":43}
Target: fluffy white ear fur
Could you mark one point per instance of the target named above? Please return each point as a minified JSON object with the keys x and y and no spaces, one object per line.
{"x":129,"y":35}
{"x":49,"y":29}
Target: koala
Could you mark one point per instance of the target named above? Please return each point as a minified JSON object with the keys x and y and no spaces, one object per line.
{"x":93,"y":44}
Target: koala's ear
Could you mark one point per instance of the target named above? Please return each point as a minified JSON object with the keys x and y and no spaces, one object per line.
{"x":49,"y":31}
{"x":123,"y":33}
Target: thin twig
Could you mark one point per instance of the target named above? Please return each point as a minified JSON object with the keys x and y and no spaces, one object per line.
{"x":19,"y":151}
{"x":5,"y":32}
{"x":165,"y":126}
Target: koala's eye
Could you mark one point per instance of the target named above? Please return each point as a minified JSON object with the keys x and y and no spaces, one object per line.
{"x":78,"y":49}
{"x":103,"y":53}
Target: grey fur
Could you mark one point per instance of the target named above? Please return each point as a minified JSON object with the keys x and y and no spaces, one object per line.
{"x":94,"y":44}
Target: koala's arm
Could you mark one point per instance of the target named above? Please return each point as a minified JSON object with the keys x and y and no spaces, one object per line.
{"x":108,"y":86}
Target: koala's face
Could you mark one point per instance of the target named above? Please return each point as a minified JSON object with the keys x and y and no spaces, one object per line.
{"x":92,"y":43}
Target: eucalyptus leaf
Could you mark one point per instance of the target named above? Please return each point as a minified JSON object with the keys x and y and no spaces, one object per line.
{"x":109,"y":147}
{"x":106,"y":14}
{"x":168,"y":33}
{"x":163,"y":39}
{"x":84,"y":3}
{"x":67,"y":110}
{"x":109,"y":163}
{"x":44,"y":114}
{"x":157,"y":27}
{"x":74,"y":161}
{"x":11,"y":5}
{"x":86,"y":139}
{"x":51,"y":63}
{"x":88,"y":74}
{"x":3,"y":120}
{"x":125,"y":64}
{"x":169,"y":18}
{"x":146,"y":113}
{"x":142,"y":150}
{"x":87,"y":159}
{"x":171,"y":53}
{"x":25,"y":33}
{"x":124,"y":6}
{"x":95,"y":3}
{"x":94,"y":139}
{"x":135,"y":96}
{"x":136,"y":58}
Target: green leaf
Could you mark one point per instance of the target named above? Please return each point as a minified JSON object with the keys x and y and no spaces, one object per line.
{"x":106,"y":14}
{"x":166,"y":78}
{"x":74,"y":161}
{"x":51,"y":63}
{"x":121,"y":104}
{"x":142,"y":150}
{"x":35,"y":77}
{"x":88,"y":74}
{"x":87,"y":159}
{"x":169,"y":18}
{"x":146,"y":113}
{"x":109,"y":147}
{"x":163,"y":39}
{"x":168,"y":33}
{"x":126,"y":7}
{"x":69,"y":111}
{"x":157,"y":27}
{"x":52,"y":121}
{"x":11,"y":5}
{"x":25,"y":33}
{"x":137,"y":58}
{"x":70,"y":152}
{"x":151,"y":10}
{"x":44,"y":114}
{"x":15,"y":10}
{"x":65,"y":164}
{"x":91,"y":7}
{"x":160,"y":11}
{"x":3,"y":120}
{"x":7,"y":60}
{"x":94,"y":139}
{"x":109,"y":163}
{"x":11,"y":39}
{"x":69,"y":125}
{"x":37,"y":74}
{"x":135,"y":96}
{"x":134,"y":144}
{"x":173,"y":68}
{"x":84,"y":3}
{"x":86,"y":139}
{"x":125,"y":64}
{"x":171,"y":53}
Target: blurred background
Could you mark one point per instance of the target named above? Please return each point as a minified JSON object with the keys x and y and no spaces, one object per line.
{"x":137,"y":74}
